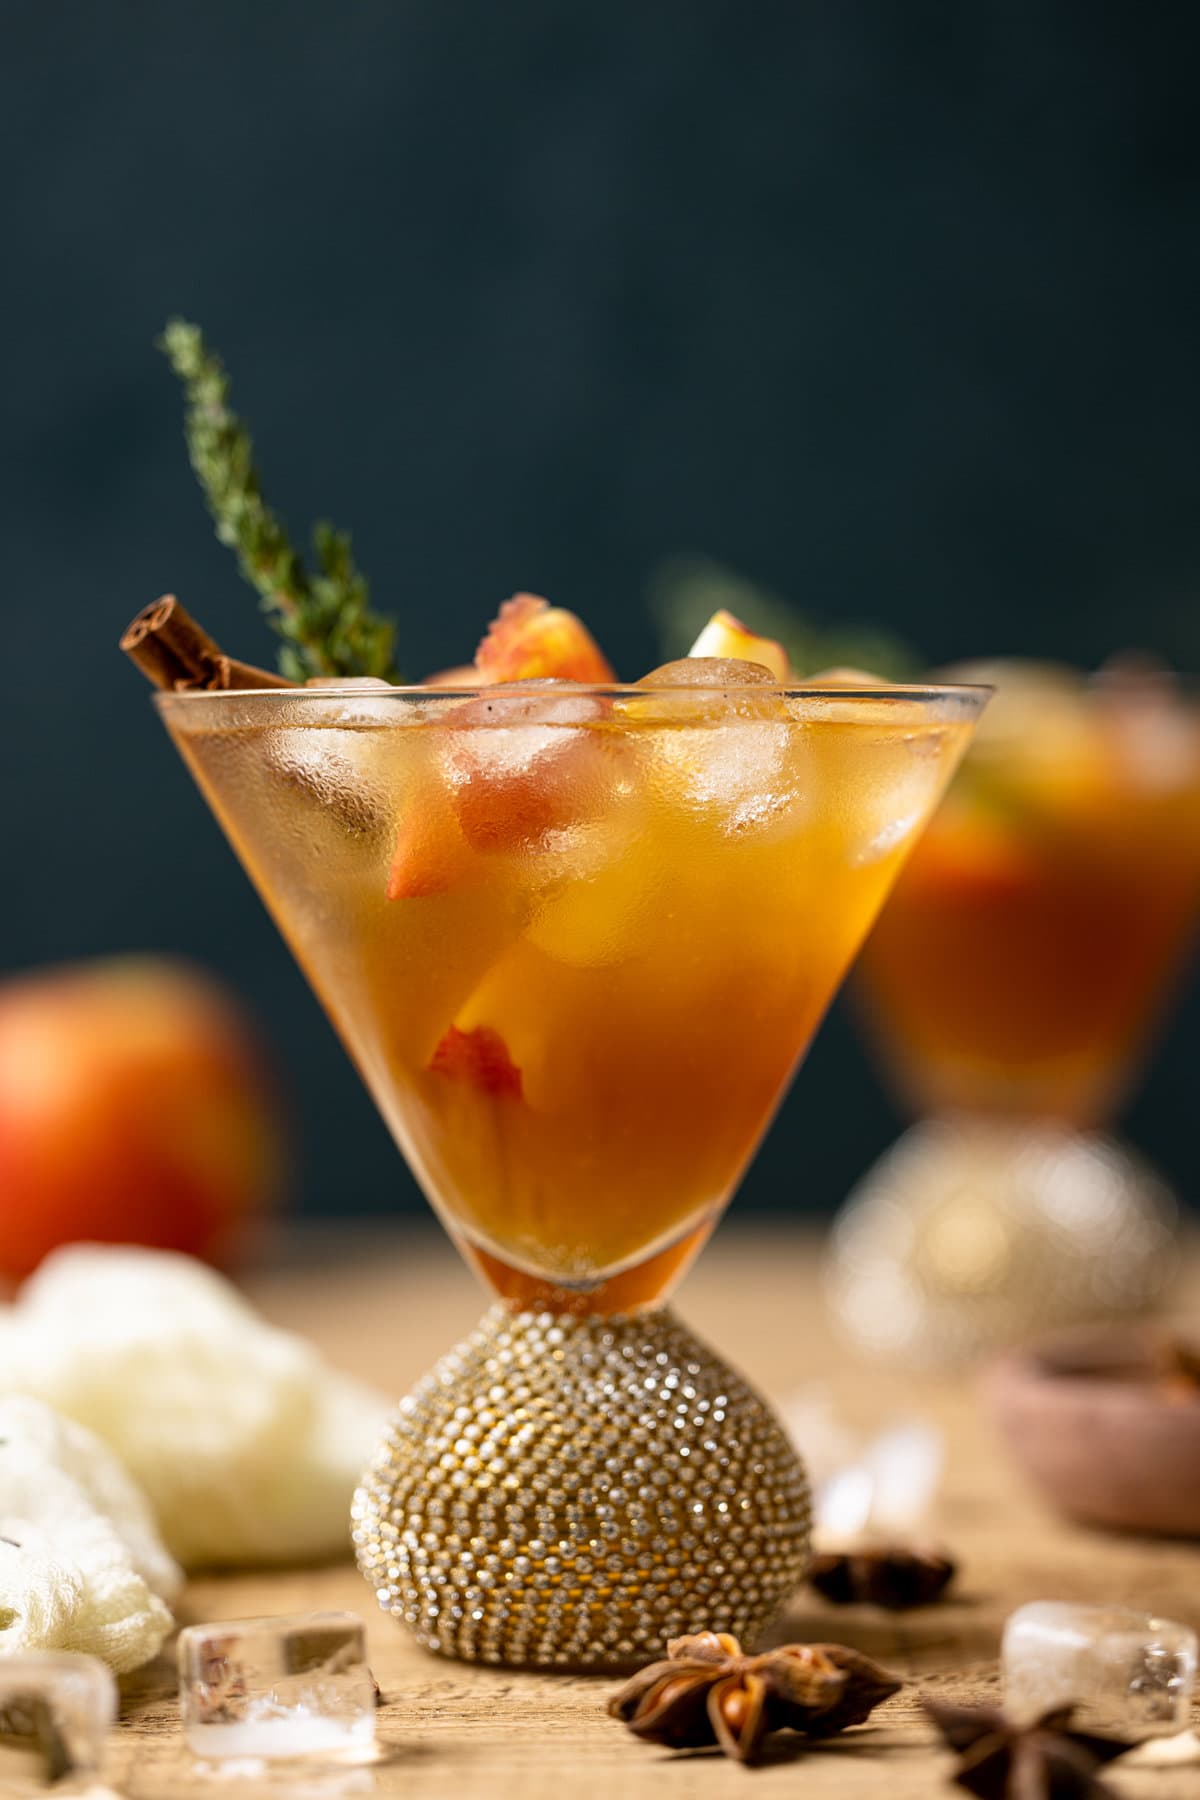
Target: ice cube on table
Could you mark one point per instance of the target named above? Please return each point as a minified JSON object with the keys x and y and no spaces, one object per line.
{"x":819,"y":1432}
{"x":905,"y":1463}
{"x":885,"y":1493}
{"x":271,"y":1688}
{"x":56,"y":1710}
{"x":878,"y":1490}
{"x":1128,"y":1672}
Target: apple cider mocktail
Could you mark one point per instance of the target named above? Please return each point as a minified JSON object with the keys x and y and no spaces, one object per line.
{"x":1026,"y":947}
{"x":575,"y":940}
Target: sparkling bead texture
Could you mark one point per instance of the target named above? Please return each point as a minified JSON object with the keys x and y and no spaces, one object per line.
{"x":969,"y":1234}
{"x":571,"y":1492}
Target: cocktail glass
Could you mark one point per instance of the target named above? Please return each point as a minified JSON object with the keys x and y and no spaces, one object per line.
{"x":576,"y":941}
{"x":1013,"y":982}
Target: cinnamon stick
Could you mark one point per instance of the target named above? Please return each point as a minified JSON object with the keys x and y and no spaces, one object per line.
{"x":174,"y":652}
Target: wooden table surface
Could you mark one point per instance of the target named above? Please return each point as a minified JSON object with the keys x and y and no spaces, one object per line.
{"x":385,"y":1311}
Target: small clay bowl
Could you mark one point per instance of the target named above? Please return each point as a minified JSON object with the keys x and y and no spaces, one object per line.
{"x":1108,"y":1439}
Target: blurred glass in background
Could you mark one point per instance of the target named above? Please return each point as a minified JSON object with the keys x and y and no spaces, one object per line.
{"x":1012,"y":982}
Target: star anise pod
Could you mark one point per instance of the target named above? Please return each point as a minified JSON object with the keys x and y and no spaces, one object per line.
{"x":707,"y":1692}
{"x":891,"y":1575}
{"x":1042,"y":1761}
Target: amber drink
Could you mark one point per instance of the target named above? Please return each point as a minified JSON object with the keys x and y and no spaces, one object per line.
{"x":576,"y":941}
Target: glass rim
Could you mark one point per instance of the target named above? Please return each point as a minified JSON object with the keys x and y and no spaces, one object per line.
{"x":1134,"y":676}
{"x":911,"y":693}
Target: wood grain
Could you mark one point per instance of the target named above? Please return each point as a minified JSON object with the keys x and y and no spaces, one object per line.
{"x":387,"y":1309}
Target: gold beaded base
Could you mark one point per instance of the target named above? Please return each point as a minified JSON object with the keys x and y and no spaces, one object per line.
{"x":973,"y":1233}
{"x":565,"y":1492}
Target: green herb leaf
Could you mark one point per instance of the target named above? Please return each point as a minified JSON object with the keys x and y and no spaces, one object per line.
{"x":324,"y":615}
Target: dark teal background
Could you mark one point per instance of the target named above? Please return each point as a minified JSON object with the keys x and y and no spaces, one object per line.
{"x":893,"y":307}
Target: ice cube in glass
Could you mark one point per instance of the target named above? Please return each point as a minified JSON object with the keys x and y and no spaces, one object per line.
{"x":277,"y":1687}
{"x":1128,"y":1672}
{"x":56,"y":1710}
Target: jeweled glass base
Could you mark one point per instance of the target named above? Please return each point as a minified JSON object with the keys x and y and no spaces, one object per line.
{"x":572,"y":1491}
{"x":971,"y":1233}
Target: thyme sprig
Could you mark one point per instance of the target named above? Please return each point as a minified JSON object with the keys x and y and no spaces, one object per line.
{"x":323,"y":614}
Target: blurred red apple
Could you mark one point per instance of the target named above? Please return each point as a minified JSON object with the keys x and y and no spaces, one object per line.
{"x":134,"y":1108}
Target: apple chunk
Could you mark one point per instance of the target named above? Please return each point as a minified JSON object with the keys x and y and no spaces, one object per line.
{"x":135,"y":1107}
{"x":513,"y":767}
{"x":524,"y":764}
{"x":726,"y":636}
{"x":431,"y":855}
{"x":480,"y":1059}
{"x":531,"y":640}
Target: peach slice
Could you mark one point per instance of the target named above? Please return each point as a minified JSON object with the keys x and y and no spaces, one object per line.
{"x":725,"y":636}
{"x":532,"y":640}
{"x":512,"y":768}
{"x":479,"y":1058}
{"x":431,"y":856}
{"x":520,"y":776}
{"x":520,"y":767}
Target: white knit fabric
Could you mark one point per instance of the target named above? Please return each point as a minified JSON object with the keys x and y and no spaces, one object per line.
{"x":246,"y":1445}
{"x":81,"y":1567}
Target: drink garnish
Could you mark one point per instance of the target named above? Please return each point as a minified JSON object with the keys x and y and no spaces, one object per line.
{"x":479,"y":1057}
{"x":430,"y":855}
{"x":726,"y":636}
{"x":322,"y":613}
{"x":176,"y":653}
{"x":530,"y":640}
